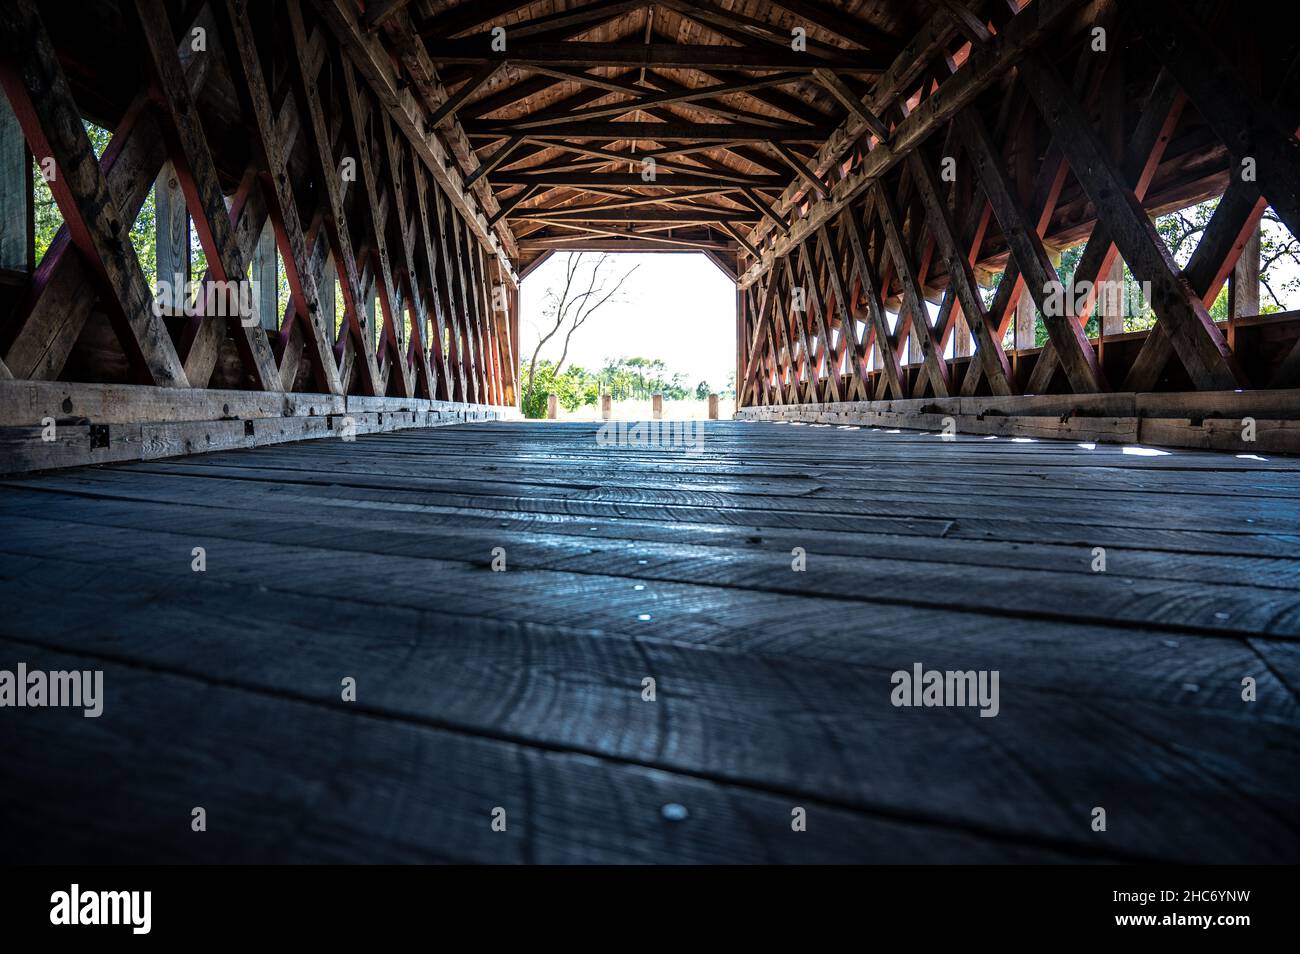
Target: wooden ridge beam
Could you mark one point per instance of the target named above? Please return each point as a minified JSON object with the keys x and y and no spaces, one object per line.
{"x":745,"y":30}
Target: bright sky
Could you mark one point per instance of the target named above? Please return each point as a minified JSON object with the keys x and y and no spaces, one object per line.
{"x":678,"y":307}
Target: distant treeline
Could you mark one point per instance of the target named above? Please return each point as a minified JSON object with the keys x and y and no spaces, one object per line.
{"x":626,"y":379}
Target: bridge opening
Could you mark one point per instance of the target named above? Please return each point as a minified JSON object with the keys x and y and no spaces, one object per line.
{"x":615,"y":335}
{"x":992,"y":540}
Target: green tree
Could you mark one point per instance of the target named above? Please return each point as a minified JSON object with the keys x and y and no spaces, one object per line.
{"x":575,"y":388}
{"x":48,"y":218}
{"x":572,"y":306}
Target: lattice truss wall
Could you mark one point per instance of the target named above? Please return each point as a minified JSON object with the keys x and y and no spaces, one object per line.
{"x":988,"y":147}
{"x":252,"y":124}
{"x":391,"y":148}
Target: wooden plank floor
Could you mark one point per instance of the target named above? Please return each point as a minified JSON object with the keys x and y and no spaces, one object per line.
{"x":523,"y":689}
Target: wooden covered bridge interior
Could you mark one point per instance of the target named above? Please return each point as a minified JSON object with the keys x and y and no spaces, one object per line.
{"x":423,"y":629}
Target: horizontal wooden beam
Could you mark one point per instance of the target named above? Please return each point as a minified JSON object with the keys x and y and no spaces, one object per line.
{"x":100,"y":424}
{"x":580,"y":179}
{"x":560,"y":216}
{"x":656,"y":132}
{"x":723,"y":173}
{"x":623,"y":243}
{"x":649,"y":55}
{"x":549,"y":118}
{"x":1204,"y":419}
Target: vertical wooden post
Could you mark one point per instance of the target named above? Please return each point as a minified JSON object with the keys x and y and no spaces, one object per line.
{"x":266,"y":287}
{"x":606,"y":406}
{"x":15,"y":194}
{"x":713,"y":407}
{"x":488,"y":321}
{"x":372,"y":325}
{"x":329,"y":275}
{"x":741,"y":341}
{"x":1243,"y":286}
{"x":657,"y":406}
{"x":1110,"y":296}
{"x":1110,"y":304}
{"x":1025,"y":313}
{"x":552,"y":406}
{"x":961,"y":340}
{"x":515,"y":396}
{"x":172,"y":236}
{"x":1110,"y":300}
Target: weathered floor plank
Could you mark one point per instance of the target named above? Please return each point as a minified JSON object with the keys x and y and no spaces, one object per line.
{"x":372,"y":559}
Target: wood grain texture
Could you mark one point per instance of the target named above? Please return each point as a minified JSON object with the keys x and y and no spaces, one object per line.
{"x":522,"y":689}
